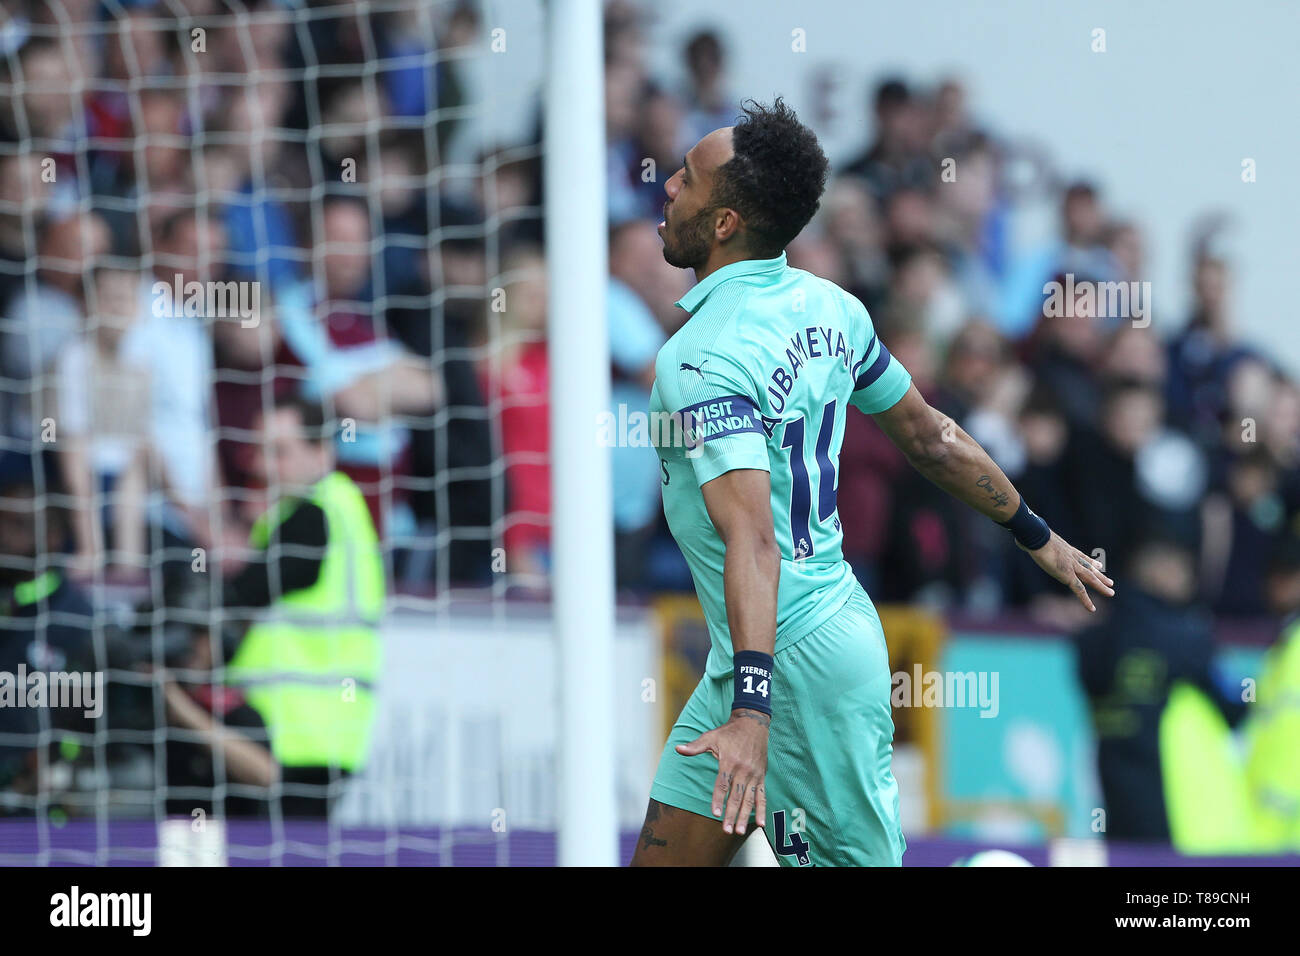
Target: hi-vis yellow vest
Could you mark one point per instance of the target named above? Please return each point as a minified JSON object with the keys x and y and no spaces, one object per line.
{"x":1273,"y":746}
{"x":310,"y":666}
{"x":1206,"y":797}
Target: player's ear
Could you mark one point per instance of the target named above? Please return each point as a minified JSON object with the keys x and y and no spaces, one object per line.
{"x":727,"y":225}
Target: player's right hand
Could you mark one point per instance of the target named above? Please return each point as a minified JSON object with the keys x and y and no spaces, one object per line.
{"x":741,"y":748}
{"x":1072,"y":568}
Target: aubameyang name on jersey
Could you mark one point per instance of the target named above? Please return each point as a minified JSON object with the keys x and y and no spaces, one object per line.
{"x":813,"y":342}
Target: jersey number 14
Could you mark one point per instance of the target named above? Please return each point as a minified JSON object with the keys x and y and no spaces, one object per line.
{"x":801,"y":483}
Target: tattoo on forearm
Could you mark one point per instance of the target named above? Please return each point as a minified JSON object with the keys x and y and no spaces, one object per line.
{"x":763,"y":719}
{"x":1000,"y":499}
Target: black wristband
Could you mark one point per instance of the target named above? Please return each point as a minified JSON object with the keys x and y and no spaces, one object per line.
{"x":753,"y":678}
{"x":1029,"y":529}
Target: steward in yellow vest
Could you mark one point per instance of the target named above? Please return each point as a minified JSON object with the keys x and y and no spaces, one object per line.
{"x":1156,"y":647}
{"x":310,"y":662}
{"x":1220,"y":803}
{"x":1273,"y":732}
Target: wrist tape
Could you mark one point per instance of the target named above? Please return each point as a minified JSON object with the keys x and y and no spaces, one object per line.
{"x":1029,"y":529}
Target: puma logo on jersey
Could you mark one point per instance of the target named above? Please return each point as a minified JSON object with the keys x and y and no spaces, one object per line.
{"x":697,"y":369}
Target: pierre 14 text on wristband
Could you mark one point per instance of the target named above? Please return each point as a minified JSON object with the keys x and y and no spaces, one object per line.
{"x":753,"y":678}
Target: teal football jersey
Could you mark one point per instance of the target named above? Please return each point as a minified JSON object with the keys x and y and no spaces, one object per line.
{"x":761,"y":376}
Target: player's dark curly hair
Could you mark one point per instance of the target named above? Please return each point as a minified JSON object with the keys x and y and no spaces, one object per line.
{"x":776,"y":177}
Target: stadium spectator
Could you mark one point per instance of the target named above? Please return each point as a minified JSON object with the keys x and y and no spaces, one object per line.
{"x":922,"y":296}
{"x":1156,"y":633}
{"x":1101,"y":470}
{"x":516,"y":380}
{"x":852,"y":220}
{"x":335,"y":38}
{"x":262,"y":235}
{"x":46,"y":111}
{"x":977,"y":370}
{"x":1281,"y":439}
{"x":952,"y":125}
{"x":1243,"y":523}
{"x":188,"y":249}
{"x":44,"y":319}
{"x":624,"y":88}
{"x":219,"y":758}
{"x":451,"y":464}
{"x":339,"y":336}
{"x":1204,"y":354}
{"x":103,"y":407}
{"x":637,"y":262}
{"x":1080,"y":252}
{"x":1136,"y":354}
{"x":897,"y":158}
{"x":709,"y":104}
{"x":142,"y":187}
{"x":317,"y":579}
{"x":252,"y":366}
{"x":1044,"y":435}
{"x":407,"y":37}
{"x":345,"y":115}
{"x":970,"y":224}
{"x":24,"y":203}
{"x":1063,"y":352}
{"x":255,"y":45}
{"x":48,"y":623}
{"x":656,"y":149}
{"x":510,"y":191}
{"x":1125,"y":243}
{"x":1273,"y":729}
{"x":634,"y":341}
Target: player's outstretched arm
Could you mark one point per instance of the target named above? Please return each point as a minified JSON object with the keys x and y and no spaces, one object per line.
{"x":942,"y":451}
{"x":739,"y":504}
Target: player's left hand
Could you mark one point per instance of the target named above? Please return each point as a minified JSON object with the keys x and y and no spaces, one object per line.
{"x":1072,"y":568}
{"x":741,"y":748}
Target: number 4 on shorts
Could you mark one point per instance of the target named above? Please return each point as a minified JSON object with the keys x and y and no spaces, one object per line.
{"x":797,"y":847}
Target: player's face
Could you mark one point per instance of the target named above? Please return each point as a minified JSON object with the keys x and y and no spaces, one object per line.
{"x":687,"y":227}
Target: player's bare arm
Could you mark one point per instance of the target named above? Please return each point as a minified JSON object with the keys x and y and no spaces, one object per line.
{"x":940,"y":449}
{"x":739,"y":504}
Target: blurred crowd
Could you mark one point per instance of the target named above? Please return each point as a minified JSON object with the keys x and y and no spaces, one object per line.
{"x":1120,"y":429}
{"x":210,"y":222}
{"x":283,"y":159}
{"x":410,"y":297}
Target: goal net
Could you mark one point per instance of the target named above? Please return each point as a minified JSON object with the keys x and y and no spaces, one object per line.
{"x":247,"y":246}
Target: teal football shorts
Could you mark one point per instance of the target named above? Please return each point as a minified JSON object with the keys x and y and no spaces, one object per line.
{"x":831,"y":796}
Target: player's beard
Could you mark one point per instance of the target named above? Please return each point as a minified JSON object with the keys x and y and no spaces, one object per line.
{"x":687,"y":245}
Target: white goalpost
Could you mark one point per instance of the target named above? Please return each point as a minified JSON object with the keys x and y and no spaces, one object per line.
{"x":582,"y":509}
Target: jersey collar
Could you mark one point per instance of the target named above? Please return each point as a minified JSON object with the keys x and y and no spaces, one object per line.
{"x":692,"y":300}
